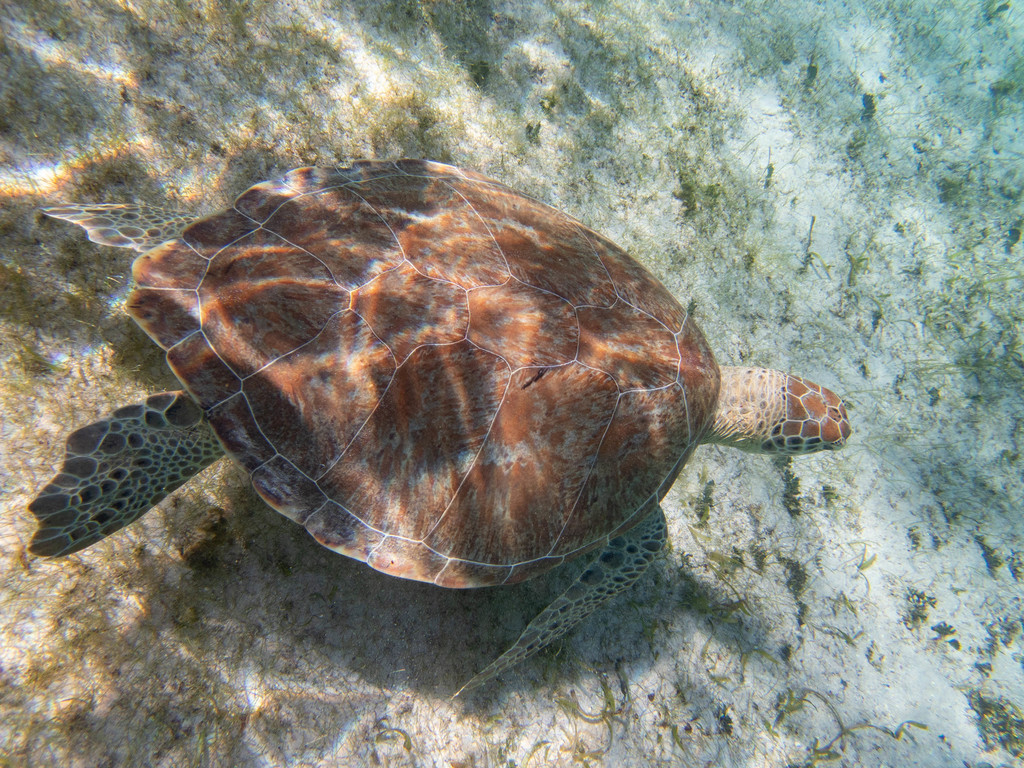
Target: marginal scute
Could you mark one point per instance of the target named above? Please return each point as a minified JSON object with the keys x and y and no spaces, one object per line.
{"x":202,"y":372}
{"x":542,"y":246}
{"x":400,"y":199}
{"x":406,"y":559}
{"x":313,"y":179}
{"x":459,"y":574}
{"x":336,"y":528}
{"x":171,"y":265}
{"x":642,"y":445}
{"x":208,"y":235}
{"x":435,"y":228}
{"x":256,"y":204}
{"x":418,"y":167}
{"x":367,"y":170}
{"x":236,"y":427}
{"x":168,"y":316}
{"x":523,"y":571}
{"x":698,"y":377}
{"x":637,"y":286}
{"x":287,"y":489}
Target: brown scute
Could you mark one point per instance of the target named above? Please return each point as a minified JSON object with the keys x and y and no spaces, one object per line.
{"x":458,"y":574}
{"x":810,"y":429}
{"x":239,"y":433}
{"x":350,"y":238}
{"x":698,"y":376}
{"x":262,"y":298}
{"x":207,"y":236}
{"x":336,"y":528}
{"x":797,"y":388}
{"x":202,"y":372}
{"x":821,"y":410}
{"x":171,"y":265}
{"x":479,"y":385}
{"x":637,"y":351}
{"x":363,"y":171}
{"x":525,"y":484}
{"x":810,"y":418}
{"x":796,"y":409}
{"x":835,"y":431}
{"x":256,"y":204}
{"x":406,"y":559}
{"x":465,"y":253}
{"x":418,"y":167}
{"x":543,"y":247}
{"x":313,"y":179}
{"x":437,"y":230}
{"x":387,"y":302}
{"x":646,"y":424}
{"x":635,"y":284}
{"x":526,"y":326}
{"x":284,"y":487}
{"x":400,"y":199}
{"x":168,"y":316}
{"x":310,"y":403}
{"x":405,"y":464}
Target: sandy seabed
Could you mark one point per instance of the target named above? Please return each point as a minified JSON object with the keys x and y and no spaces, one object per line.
{"x":835,"y":186}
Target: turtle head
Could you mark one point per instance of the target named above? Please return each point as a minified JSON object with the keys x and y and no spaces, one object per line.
{"x":765,"y":411}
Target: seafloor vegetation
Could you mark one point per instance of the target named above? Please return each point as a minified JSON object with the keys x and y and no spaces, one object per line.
{"x":833,"y":188}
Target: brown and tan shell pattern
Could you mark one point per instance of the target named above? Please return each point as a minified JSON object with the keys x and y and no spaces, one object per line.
{"x":429,"y":371}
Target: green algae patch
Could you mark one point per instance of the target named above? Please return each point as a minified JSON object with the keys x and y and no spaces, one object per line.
{"x":1000,"y":722}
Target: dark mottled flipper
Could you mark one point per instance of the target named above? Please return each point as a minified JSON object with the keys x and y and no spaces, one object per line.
{"x":118,"y":468}
{"x":618,"y":566}
{"x":124,"y":226}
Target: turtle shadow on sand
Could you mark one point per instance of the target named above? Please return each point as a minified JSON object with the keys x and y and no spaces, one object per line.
{"x":253,"y":602}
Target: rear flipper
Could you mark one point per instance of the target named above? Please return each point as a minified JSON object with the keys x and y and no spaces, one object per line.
{"x":124,"y":225}
{"x":118,"y":468}
{"x":618,"y":566}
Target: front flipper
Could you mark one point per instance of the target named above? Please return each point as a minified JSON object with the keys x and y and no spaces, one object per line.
{"x":118,"y":468}
{"x":124,"y":226}
{"x":618,"y":566}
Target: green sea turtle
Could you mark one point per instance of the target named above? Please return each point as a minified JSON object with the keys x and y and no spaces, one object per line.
{"x":431,"y":372}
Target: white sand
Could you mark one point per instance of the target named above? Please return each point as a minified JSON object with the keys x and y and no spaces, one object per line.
{"x":862,"y":628}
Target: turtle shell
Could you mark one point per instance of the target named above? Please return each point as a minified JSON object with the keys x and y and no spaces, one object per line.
{"x":431,"y":372}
